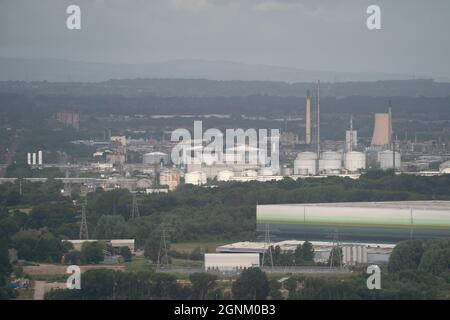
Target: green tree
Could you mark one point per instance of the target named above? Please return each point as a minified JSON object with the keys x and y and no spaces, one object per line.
{"x":203,"y":285}
{"x":98,"y":284}
{"x":406,"y":256}
{"x":25,"y":243}
{"x":436,"y":257}
{"x":126,"y":254}
{"x":73,"y":257}
{"x":275,"y":288}
{"x":111,"y":227}
{"x":308,"y":252}
{"x":336,"y":257}
{"x":49,"y":248}
{"x":92,"y":252}
{"x":252,"y":284}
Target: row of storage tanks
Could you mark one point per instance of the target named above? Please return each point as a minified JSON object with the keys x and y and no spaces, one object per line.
{"x":329,"y":162}
{"x":333,"y":162}
{"x":200,"y":178}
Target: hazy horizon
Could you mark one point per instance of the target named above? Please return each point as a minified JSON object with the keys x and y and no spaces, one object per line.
{"x":321,"y":35}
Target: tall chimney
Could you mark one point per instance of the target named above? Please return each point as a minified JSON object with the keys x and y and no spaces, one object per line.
{"x":308,"y":120}
{"x":318,"y":119}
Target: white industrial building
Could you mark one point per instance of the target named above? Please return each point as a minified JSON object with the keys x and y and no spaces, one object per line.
{"x":115,"y":243}
{"x":229,"y":262}
{"x":444,"y":168}
{"x":306,"y":164}
{"x":196,"y":178}
{"x":353,"y":254}
{"x":386,"y":160}
{"x":355,"y":161}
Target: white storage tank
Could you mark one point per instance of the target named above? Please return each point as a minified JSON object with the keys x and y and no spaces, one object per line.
{"x":250,"y":173}
{"x":355,"y":161}
{"x":305,"y":164}
{"x":266,"y":172}
{"x":330,"y":161}
{"x":196,"y":178}
{"x":225,"y":175}
{"x":286,"y":172}
{"x":155,"y":158}
{"x":386,"y":159}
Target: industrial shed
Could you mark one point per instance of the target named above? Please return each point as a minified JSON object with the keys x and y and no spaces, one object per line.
{"x":363,"y":222}
{"x":229,"y":262}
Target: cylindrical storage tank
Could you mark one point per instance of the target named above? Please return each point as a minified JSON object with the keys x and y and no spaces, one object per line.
{"x":155,"y":158}
{"x":266,"y":172}
{"x":387,"y":159}
{"x":250,"y":173}
{"x":306,"y":164}
{"x":330,"y":161}
{"x":286,"y":172}
{"x":196,"y":178}
{"x":355,"y":161}
{"x":225,"y":175}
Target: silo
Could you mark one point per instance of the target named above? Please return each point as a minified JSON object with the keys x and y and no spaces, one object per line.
{"x":306,"y":163}
{"x":196,"y":178}
{"x":386,"y":159}
{"x":155,"y":158}
{"x":286,"y":172}
{"x":225,"y":175}
{"x":330,"y":162}
{"x":355,"y":161}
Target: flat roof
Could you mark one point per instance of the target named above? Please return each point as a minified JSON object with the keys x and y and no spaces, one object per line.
{"x":247,"y":246}
{"x":431,"y":204}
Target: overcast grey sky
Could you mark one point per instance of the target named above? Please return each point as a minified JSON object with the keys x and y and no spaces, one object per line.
{"x":309,"y":34}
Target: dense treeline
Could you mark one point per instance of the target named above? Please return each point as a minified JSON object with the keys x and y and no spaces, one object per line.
{"x":197,"y":213}
{"x":418,"y":270}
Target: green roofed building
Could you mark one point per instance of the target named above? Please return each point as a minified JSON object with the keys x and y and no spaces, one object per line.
{"x":359,"y":222}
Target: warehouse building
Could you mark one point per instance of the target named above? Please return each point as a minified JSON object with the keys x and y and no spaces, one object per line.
{"x":362,"y":222}
{"x":230,"y":262}
{"x":353,"y":254}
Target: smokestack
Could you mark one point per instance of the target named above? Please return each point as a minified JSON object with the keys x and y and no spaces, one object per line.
{"x":40,"y":157}
{"x":34,"y":159}
{"x":318,"y":119}
{"x":29,"y":158}
{"x":308,"y":120}
{"x":351,"y":133}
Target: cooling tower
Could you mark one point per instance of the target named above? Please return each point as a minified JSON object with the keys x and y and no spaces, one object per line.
{"x":382,"y":130}
{"x":308,"y":120}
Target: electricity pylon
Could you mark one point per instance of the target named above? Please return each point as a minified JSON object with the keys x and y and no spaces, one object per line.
{"x":84,"y":233}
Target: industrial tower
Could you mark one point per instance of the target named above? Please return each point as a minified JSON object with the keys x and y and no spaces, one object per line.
{"x":268,"y":245}
{"x":84,"y":233}
{"x":308,"y":138}
{"x":134,"y":208}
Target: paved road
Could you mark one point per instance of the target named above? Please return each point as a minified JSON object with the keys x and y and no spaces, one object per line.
{"x":39,"y":290}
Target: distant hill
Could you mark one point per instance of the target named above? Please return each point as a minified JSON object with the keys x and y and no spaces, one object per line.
{"x":213,"y":88}
{"x":69,"y":71}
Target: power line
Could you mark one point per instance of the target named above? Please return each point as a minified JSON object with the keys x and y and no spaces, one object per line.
{"x":268,"y":245}
{"x":134,"y":208}
{"x":84,"y":233}
{"x":163,"y":255}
